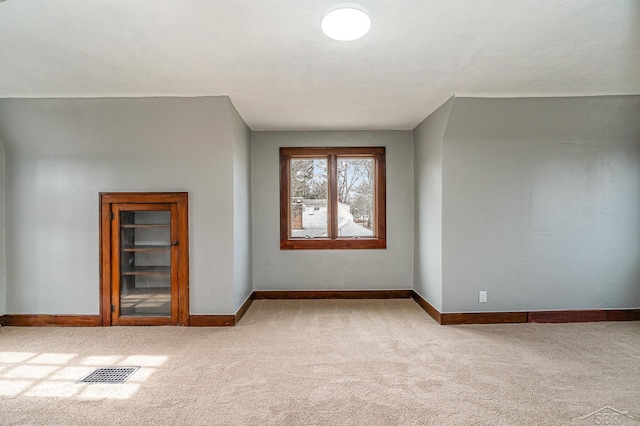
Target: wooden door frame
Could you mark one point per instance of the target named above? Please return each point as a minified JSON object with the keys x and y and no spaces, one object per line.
{"x":181,"y":199}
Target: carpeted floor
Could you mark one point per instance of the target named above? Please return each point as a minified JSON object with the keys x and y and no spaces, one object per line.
{"x":325,"y":362}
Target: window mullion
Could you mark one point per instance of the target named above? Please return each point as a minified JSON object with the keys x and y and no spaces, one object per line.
{"x":380,"y":205}
{"x":333,"y":196}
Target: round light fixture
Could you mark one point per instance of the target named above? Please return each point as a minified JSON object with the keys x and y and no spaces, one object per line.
{"x":346,"y":24}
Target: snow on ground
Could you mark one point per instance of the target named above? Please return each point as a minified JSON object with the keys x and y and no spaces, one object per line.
{"x":314,"y":222}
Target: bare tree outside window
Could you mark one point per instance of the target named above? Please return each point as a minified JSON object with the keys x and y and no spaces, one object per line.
{"x":309,"y":178}
{"x":356,"y":197}
{"x":309,"y":208}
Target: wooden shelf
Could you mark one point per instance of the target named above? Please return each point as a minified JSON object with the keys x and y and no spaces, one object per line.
{"x":140,"y":225}
{"x":149,"y":270}
{"x":148,"y":248}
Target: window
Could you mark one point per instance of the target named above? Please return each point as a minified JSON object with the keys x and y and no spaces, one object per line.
{"x":332,"y":198}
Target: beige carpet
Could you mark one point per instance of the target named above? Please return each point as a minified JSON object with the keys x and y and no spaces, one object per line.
{"x":319,"y":362}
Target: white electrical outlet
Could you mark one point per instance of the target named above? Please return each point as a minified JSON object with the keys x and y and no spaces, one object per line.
{"x":482,"y":297}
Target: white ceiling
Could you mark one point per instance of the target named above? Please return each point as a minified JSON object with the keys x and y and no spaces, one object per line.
{"x":281,"y":72}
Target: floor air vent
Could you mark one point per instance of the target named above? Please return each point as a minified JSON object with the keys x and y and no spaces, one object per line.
{"x":110,"y":375}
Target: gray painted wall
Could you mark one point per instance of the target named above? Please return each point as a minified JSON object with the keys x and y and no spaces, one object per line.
{"x":3,"y":286}
{"x":62,"y":152}
{"x":541,"y":204}
{"x":276,"y":269}
{"x":428,"y":138}
{"x":536,"y":201}
{"x":242,"y":250}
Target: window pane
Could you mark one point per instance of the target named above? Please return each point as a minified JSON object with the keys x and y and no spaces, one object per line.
{"x":309,"y":211}
{"x":356,"y":198}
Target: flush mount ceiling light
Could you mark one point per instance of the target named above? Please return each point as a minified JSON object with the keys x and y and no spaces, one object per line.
{"x":346,"y":24}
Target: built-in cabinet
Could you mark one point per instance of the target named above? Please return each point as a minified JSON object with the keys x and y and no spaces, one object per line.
{"x":144,"y":258}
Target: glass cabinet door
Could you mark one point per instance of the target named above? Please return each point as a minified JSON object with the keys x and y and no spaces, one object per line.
{"x":145,"y":263}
